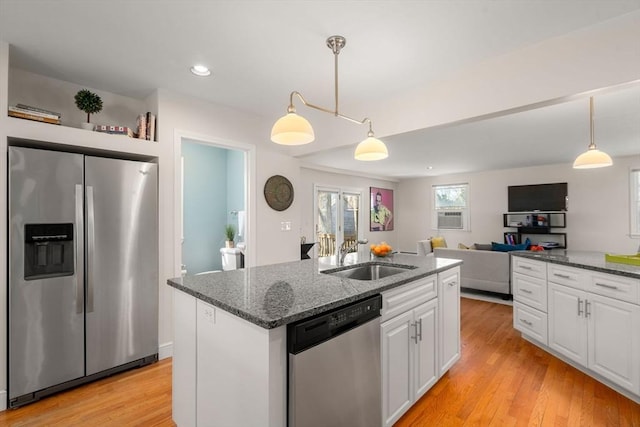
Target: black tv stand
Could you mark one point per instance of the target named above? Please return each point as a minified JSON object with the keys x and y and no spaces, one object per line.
{"x":535,"y":224}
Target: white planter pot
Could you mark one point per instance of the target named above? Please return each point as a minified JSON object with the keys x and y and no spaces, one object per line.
{"x":87,"y":126}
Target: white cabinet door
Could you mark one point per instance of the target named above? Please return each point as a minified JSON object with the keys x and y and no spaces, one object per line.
{"x":449,"y":316}
{"x":614,"y":341}
{"x":398,"y":350}
{"x":567,"y":324}
{"x":426,"y":368}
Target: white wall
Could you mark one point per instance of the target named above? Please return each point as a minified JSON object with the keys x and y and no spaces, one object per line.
{"x":202,"y":121}
{"x":597,"y":216}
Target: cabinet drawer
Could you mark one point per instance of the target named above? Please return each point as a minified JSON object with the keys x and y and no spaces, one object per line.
{"x":568,"y":276}
{"x":529,"y":267}
{"x":530,"y":322}
{"x":611,"y":285}
{"x":407,"y":297}
{"x":530,"y":291}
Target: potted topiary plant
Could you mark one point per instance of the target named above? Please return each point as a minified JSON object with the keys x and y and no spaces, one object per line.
{"x":230,"y":233}
{"x":90,"y":103}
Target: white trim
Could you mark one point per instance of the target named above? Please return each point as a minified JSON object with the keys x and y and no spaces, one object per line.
{"x":165,"y":350}
{"x":346,"y":172}
{"x":3,"y":400}
{"x":250,"y":197}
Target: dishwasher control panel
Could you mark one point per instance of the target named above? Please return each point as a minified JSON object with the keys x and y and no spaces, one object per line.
{"x":313,"y":331}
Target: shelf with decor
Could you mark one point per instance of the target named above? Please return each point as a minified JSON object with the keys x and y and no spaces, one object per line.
{"x":535,"y":225}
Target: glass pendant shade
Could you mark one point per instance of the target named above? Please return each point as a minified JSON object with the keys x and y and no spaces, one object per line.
{"x":371,"y":149}
{"x":292,"y":129}
{"x":592,"y":158}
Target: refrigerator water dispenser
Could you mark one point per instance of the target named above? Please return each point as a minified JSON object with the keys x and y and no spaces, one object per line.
{"x":48,"y":250}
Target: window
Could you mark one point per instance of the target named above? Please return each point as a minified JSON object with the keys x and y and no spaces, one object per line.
{"x":450,"y":207}
{"x":634,"y":203}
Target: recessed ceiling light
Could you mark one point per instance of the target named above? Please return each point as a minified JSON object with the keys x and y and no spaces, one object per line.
{"x":200,"y":70}
{"x":429,"y":167}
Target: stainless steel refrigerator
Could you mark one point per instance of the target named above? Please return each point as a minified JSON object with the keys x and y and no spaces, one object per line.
{"x":83,"y":269}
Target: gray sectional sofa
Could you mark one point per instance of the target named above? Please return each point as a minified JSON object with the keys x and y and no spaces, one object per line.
{"x":481,"y":270}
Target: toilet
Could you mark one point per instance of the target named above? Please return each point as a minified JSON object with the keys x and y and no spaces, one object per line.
{"x":232,"y":258}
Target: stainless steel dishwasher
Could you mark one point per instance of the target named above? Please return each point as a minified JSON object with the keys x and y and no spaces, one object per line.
{"x":334,"y":367}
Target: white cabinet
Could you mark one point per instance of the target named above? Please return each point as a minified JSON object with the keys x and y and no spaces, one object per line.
{"x":449,"y":302}
{"x":567,"y":323}
{"x":590,"y":318}
{"x":409,"y":343}
{"x":597,"y":332}
{"x":529,"y":283}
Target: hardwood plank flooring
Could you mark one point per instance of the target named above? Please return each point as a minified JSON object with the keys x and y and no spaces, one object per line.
{"x":501,"y":380}
{"x":140,"y":397}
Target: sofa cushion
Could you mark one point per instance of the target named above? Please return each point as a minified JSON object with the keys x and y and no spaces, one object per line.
{"x":483,"y":246}
{"x":424,"y":247}
{"x":438,"y":242}
{"x":502,"y":247}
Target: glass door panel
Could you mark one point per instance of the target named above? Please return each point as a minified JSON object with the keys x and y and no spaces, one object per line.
{"x":327,"y":221}
{"x":350,"y":219}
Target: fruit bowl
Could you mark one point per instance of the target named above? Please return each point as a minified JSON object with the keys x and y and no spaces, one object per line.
{"x":381,"y":250}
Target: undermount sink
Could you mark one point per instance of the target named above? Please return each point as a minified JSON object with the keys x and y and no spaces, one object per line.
{"x":369,"y":271}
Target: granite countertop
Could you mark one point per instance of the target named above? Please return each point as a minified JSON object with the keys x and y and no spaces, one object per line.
{"x":582,"y":259}
{"x":274,"y":295}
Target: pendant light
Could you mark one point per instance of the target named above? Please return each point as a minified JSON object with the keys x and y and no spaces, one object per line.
{"x":293,"y":129}
{"x":592,"y":158}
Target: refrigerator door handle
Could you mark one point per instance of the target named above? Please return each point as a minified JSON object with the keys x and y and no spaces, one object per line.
{"x":90,"y":248}
{"x":79,"y":242}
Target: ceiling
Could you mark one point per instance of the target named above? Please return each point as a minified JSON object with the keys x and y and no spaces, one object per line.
{"x":259,"y":51}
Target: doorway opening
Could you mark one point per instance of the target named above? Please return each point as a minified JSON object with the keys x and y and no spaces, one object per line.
{"x":213,"y":196}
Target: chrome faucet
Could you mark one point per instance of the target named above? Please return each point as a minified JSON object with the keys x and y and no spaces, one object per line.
{"x":345,"y":249}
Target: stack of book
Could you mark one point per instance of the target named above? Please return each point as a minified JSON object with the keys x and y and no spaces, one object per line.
{"x":28,"y":112}
{"x":146,"y":124}
{"x":116,"y":130}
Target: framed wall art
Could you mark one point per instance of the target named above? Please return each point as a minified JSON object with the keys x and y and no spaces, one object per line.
{"x":381,"y":209}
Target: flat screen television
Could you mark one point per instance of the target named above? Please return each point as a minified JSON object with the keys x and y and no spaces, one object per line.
{"x":539,"y":197}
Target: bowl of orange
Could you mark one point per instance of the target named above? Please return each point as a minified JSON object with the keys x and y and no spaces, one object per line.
{"x":381,"y":250}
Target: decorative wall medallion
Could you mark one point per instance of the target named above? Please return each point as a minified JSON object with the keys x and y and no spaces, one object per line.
{"x":278,"y":192}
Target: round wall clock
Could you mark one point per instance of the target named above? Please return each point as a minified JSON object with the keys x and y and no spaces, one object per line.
{"x":278,"y":192}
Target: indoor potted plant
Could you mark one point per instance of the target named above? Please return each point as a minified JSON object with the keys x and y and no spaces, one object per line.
{"x":230,"y":233}
{"x":90,"y":103}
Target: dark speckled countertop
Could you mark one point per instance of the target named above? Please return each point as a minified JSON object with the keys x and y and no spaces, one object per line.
{"x":582,"y":259}
{"x":274,"y":295}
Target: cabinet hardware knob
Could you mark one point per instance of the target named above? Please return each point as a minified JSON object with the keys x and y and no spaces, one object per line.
{"x":526,"y":291}
{"x":419,"y":333}
{"x":587,"y":304}
{"x":526,"y":322}
{"x":564,"y":276}
{"x":526,"y":267}
{"x":453,"y":283}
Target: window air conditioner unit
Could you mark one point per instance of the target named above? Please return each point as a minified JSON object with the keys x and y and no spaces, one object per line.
{"x":450,"y":220}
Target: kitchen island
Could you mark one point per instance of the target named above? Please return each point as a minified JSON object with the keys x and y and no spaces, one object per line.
{"x":230,"y":340}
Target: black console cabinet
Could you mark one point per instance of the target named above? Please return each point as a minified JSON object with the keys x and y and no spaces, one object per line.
{"x":536,"y":225}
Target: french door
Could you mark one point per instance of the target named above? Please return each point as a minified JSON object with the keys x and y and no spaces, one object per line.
{"x":337,"y":218}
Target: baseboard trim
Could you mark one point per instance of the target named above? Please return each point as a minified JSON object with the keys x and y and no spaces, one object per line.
{"x":165,"y":350}
{"x":3,"y":400}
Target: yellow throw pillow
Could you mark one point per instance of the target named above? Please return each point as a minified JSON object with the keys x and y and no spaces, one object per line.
{"x":438,"y":242}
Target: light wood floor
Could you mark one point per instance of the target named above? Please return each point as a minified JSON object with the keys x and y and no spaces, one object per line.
{"x":501,"y":380}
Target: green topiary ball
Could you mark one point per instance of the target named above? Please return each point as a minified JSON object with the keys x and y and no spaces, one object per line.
{"x":88,"y":102}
